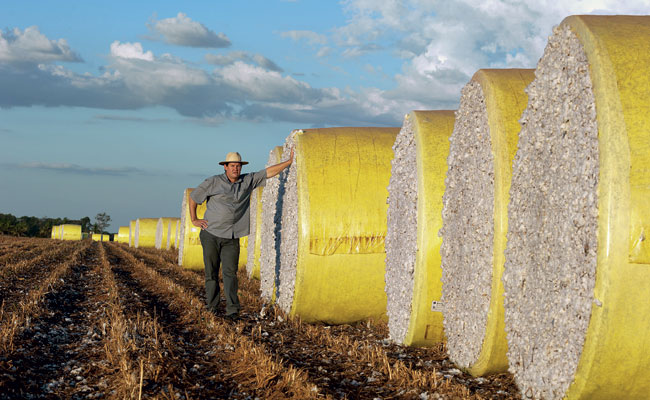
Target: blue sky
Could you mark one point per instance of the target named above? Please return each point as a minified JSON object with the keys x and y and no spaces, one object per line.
{"x":119,"y":106}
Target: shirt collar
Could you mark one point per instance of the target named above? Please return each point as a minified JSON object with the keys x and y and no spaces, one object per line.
{"x":225,"y":178}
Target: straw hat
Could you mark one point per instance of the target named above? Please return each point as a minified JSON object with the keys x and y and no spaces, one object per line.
{"x":233,"y":157}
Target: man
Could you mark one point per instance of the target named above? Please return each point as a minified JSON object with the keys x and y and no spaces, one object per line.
{"x":226,"y":220}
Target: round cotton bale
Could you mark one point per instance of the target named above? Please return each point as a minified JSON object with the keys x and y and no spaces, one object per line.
{"x":70,"y":232}
{"x":56,"y":232}
{"x":173,"y":233}
{"x":132,"y":233}
{"x":190,"y":252}
{"x":162,"y":232}
{"x":243,"y":252}
{"x":53,"y":233}
{"x":475,"y":202}
{"x":145,"y":232}
{"x":254,"y":239}
{"x":270,"y":227}
{"x":413,"y":272}
{"x":122,"y":234}
{"x":334,"y":224}
{"x":577,"y":298}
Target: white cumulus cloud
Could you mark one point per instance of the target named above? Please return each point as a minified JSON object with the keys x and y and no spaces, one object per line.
{"x":183,"y":31}
{"x":32,"y":46}
{"x":130,"y":50}
{"x":232,"y":57}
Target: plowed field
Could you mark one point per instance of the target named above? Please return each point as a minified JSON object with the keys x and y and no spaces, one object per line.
{"x":87,"y":319}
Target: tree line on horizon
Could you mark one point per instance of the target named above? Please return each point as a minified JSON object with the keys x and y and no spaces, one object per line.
{"x":42,"y":227}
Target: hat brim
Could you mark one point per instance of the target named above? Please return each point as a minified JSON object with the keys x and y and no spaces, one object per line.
{"x":226,"y":162}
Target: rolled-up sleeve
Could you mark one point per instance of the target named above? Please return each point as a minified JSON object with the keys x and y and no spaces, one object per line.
{"x":201,"y":192}
{"x":259,"y":178}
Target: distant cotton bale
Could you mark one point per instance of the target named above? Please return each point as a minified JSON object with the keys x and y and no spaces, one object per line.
{"x":53,"y":233}
{"x":122,"y":235}
{"x":270,"y":229}
{"x":255,"y":237}
{"x":174,"y":229}
{"x":145,"y":232}
{"x":132,"y":233}
{"x":577,"y":293}
{"x":413,"y":272}
{"x":99,"y":237}
{"x":190,"y":252}
{"x":163,"y":227}
{"x":334,"y":224}
{"x":177,"y":242}
{"x":475,"y":220}
{"x":70,"y":232}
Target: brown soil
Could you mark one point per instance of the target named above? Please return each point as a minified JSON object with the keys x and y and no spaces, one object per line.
{"x":102,"y":320}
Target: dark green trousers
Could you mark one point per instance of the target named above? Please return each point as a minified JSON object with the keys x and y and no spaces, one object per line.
{"x":225,"y":252}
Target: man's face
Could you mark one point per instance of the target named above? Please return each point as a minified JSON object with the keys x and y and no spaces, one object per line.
{"x":233,"y":170}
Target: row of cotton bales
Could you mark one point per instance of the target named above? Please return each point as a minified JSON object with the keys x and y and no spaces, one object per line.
{"x":543,"y":264}
{"x":161,"y":233}
{"x":521,"y":246}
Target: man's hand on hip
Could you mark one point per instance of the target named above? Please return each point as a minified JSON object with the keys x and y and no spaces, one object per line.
{"x":201,"y":223}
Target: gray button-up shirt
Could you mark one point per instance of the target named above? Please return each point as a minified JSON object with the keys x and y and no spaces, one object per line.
{"x":228,"y":205}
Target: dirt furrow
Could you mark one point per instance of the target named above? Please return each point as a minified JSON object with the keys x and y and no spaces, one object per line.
{"x":25,"y":252}
{"x":18,"y":279}
{"x":254,"y":371}
{"x":44,"y":342}
{"x":390,"y":370}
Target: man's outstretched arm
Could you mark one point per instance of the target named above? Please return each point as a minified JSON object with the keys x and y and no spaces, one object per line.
{"x":273,"y":170}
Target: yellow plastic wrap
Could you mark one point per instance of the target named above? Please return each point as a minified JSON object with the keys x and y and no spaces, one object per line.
{"x":432,"y":130}
{"x":99,"y":237}
{"x":614,"y":361}
{"x":145,"y":232}
{"x":256,"y":235}
{"x":132,"y":233}
{"x":163,"y":228}
{"x":243,"y":252}
{"x":53,"y":233}
{"x":70,"y":232}
{"x":342,"y":179}
{"x":122,"y":235}
{"x":190,"y":252}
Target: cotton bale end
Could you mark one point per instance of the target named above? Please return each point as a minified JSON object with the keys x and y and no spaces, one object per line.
{"x":474,"y":215}
{"x":577,"y":299}
{"x":413,"y":272}
{"x":163,"y":227}
{"x":270,"y":229}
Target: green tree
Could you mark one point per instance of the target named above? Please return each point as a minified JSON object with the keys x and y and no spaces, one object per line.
{"x":102,"y":221}
{"x":86,"y":226}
